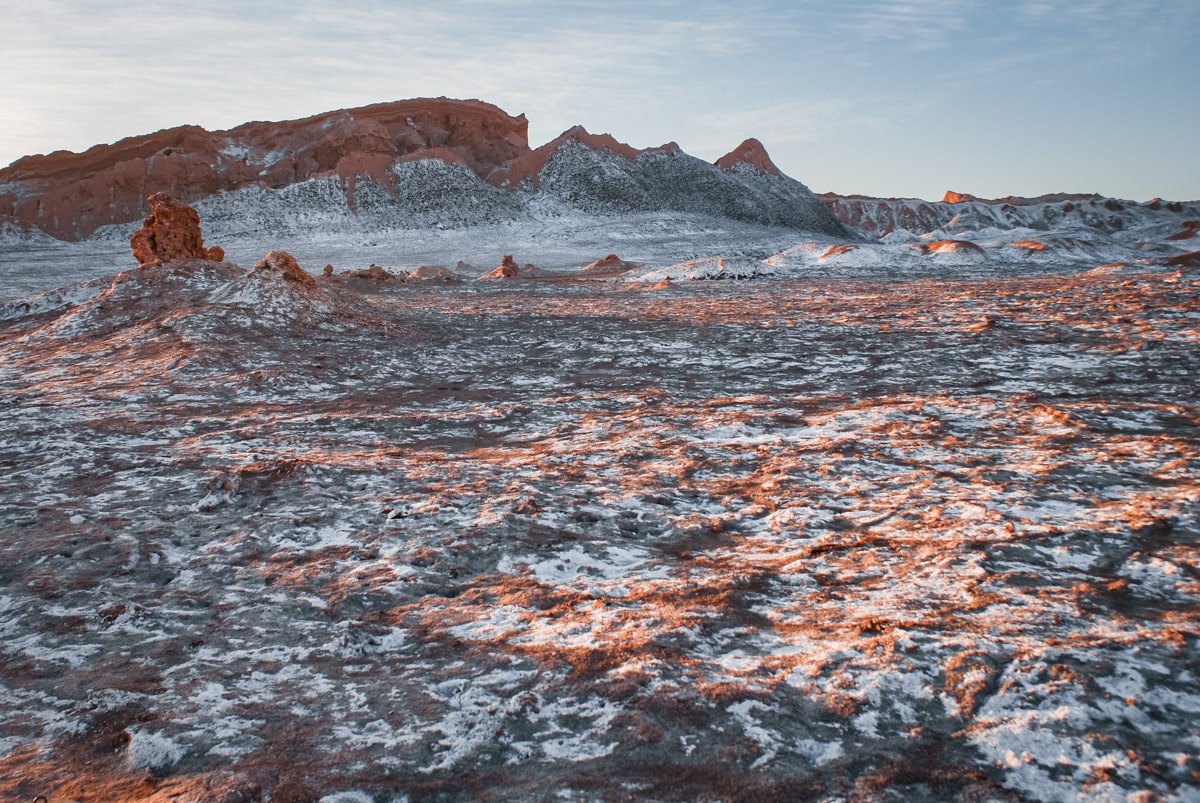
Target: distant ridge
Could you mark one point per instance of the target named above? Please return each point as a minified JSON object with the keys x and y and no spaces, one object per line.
{"x":406,"y":164}
{"x":883,"y":217}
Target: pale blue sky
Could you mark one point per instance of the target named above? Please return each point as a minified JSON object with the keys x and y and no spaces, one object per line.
{"x":883,"y":97}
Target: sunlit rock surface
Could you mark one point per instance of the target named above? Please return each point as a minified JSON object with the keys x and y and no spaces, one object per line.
{"x":921,"y":538}
{"x":507,"y":269}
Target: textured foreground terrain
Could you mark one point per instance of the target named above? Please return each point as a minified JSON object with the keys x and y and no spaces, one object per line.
{"x":825,"y":539}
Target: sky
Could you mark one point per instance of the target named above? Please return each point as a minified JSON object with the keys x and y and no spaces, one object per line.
{"x":902,"y":98}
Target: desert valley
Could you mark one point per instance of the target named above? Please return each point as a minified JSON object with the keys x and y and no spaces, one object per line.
{"x":378,"y":456}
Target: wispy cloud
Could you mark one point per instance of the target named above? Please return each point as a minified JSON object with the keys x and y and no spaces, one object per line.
{"x":918,"y":24}
{"x":805,"y":76}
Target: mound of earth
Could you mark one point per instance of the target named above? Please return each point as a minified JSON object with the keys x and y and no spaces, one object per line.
{"x":611,"y":264}
{"x":706,"y":269}
{"x":433,"y":274}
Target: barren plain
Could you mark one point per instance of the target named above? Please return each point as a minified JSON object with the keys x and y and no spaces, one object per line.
{"x":910,"y":538}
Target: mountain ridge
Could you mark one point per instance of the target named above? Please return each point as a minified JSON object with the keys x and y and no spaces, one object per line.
{"x":70,"y":196}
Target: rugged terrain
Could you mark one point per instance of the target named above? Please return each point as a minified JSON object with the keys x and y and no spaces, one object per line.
{"x":268,"y":536}
{"x":456,"y":507}
{"x":407,"y":164}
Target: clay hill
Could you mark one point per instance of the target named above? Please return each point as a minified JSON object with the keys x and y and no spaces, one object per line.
{"x":405,"y":164}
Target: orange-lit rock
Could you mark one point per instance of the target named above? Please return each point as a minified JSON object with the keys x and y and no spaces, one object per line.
{"x":508,"y":269}
{"x":373,"y":272}
{"x":950,"y":246}
{"x":1029,"y":245}
{"x":1189,"y":260}
{"x":171,"y":232}
{"x":837,"y":250}
{"x":285,"y":264}
{"x":1191,"y":228}
{"x":750,"y":152}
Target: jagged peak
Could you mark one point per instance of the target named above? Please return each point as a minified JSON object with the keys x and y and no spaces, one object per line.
{"x":530,"y":165}
{"x":750,"y":152}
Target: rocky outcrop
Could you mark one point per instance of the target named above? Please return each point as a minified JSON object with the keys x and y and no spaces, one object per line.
{"x":1189,"y":260}
{"x":285,"y":265}
{"x":373,"y":272}
{"x":508,"y":269}
{"x":528,"y":167}
{"x":170,"y":233}
{"x":1191,"y":228}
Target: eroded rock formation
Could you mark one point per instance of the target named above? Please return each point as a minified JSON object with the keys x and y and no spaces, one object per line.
{"x":508,"y":269}
{"x":284,"y":264}
{"x":171,"y":232}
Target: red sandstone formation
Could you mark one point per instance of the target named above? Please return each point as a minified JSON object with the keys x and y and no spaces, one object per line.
{"x":285,"y":264}
{"x":508,"y":269}
{"x":750,"y":152}
{"x":171,"y":232}
{"x":530,"y":164}
{"x":70,"y":195}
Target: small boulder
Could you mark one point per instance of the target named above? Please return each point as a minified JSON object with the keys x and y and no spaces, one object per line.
{"x":327,"y":270}
{"x":171,"y":232}
{"x":285,"y":264}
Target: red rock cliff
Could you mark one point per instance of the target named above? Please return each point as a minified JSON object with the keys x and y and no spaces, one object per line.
{"x":70,"y":195}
